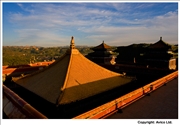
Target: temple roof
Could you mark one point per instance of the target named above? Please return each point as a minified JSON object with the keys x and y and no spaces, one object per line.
{"x":160,"y":45}
{"x":102,"y":46}
{"x":73,"y":77}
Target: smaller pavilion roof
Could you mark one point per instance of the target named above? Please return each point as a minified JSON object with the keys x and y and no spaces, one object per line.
{"x":102,"y":46}
{"x":160,"y":45}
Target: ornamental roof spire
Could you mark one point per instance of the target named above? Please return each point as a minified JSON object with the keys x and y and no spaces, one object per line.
{"x":72,"y":46}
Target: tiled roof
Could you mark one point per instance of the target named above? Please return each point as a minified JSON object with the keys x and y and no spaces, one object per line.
{"x":160,"y":44}
{"x":73,"y":77}
{"x":101,"y":46}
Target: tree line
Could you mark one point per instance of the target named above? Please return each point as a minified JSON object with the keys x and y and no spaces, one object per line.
{"x":21,"y":55}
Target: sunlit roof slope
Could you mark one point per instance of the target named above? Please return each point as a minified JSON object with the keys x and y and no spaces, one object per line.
{"x":73,"y":77}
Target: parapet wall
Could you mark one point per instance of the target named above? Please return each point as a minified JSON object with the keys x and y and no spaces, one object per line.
{"x":109,"y":108}
{"x":16,"y":107}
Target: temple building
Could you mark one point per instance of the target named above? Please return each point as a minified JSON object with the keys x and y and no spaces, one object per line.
{"x":130,"y":54}
{"x":161,"y":55}
{"x":69,"y":85}
{"x":157,"y":55}
{"x":102,"y":54}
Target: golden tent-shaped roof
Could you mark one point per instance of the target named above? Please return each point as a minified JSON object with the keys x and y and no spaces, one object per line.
{"x":73,"y":77}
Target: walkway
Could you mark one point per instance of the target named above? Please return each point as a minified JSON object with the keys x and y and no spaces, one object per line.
{"x":160,"y":104}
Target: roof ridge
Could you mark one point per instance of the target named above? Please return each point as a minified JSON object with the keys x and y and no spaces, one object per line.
{"x":71,"y":52}
{"x":67,"y":82}
{"x":99,"y":65}
{"x":67,"y":74}
{"x":164,"y":42}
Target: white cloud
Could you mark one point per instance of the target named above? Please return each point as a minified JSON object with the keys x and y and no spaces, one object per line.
{"x":25,"y":8}
{"x":148,"y":30}
{"x":56,"y":22}
{"x":20,"y":5}
{"x":40,"y":38}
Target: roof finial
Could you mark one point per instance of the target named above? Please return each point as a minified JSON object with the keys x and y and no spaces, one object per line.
{"x":72,"y":46}
{"x":161,"y":38}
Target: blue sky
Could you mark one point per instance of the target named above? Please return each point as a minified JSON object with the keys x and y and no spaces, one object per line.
{"x":118,"y":24}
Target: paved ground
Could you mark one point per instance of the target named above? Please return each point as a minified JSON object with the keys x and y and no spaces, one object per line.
{"x":160,"y":104}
